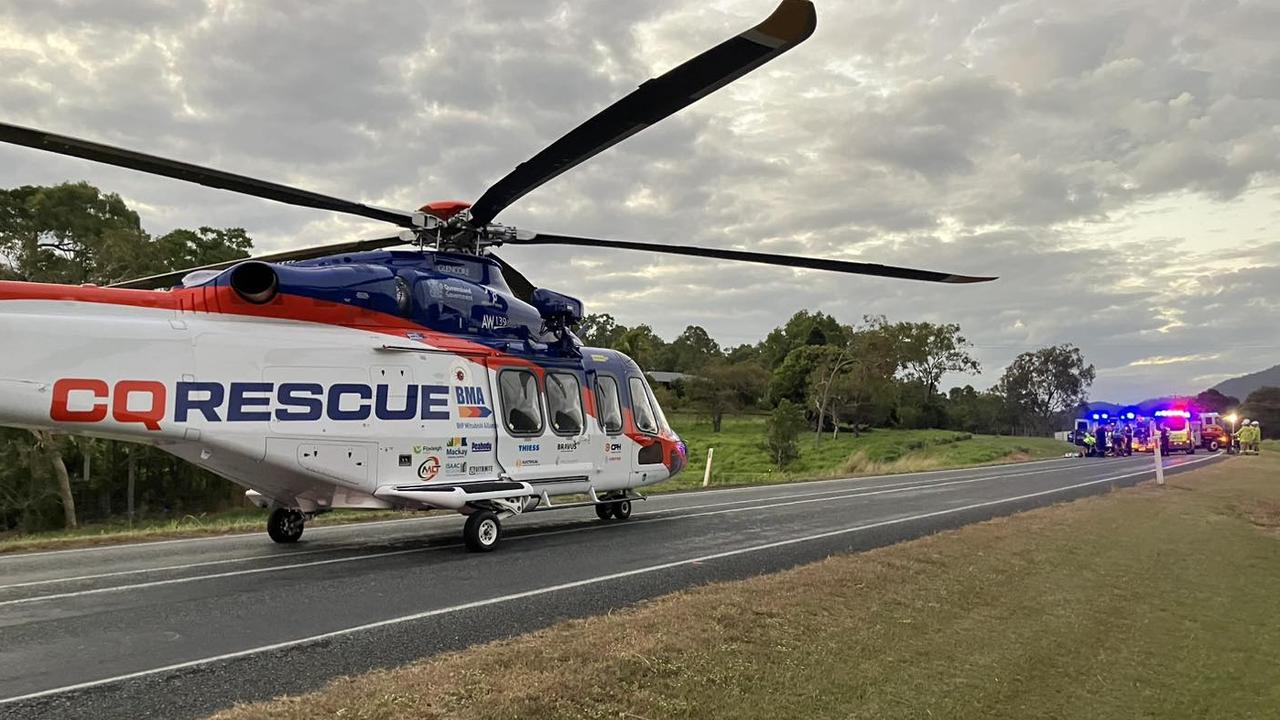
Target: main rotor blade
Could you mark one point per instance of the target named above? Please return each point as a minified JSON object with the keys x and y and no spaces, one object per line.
{"x":171,"y":279}
{"x":75,"y":147}
{"x":843,"y":266}
{"x":789,"y":25}
{"x":520,"y":285}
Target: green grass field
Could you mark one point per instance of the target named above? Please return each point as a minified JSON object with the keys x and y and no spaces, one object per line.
{"x":742,"y":458}
{"x":1145,"y":603}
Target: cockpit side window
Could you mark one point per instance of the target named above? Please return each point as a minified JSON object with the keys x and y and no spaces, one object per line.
{"x":646,"y":419}
{"x":521,"y":402}
{"x":610,"y":405}
{"x":564,"y":403}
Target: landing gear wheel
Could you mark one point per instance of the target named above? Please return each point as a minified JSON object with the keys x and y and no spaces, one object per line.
{"x":285,"y":526}
{"x":604,"y":511}
{"x":622,"y":509}
{"x":482,"y":532}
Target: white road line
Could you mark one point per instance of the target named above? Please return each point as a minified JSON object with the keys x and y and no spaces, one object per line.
{"x":665,"y":516}
{"x":349,"y":526}
{"x":565,"y":586}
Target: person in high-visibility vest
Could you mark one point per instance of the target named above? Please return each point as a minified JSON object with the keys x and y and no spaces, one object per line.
{"x":1089,"y":444}
{"x":1255,"y":434}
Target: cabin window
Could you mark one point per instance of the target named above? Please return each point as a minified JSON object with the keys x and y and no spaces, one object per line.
{"x":646,"y":420}
{"x":564,"y":403}
{"x":521,"y":402}
{"x":610,"y":407}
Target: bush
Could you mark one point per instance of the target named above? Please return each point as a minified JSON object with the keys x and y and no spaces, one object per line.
{"x":782,"y":431}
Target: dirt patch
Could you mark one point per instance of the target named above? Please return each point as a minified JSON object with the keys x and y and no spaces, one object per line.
{"x":1262,"y":514}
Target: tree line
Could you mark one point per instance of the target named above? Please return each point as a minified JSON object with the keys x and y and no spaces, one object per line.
{"x":875,"y":373}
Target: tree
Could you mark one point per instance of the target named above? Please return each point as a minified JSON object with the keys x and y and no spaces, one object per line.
{"x":1263,"y":405}
{"x":1045,"y":383}
{"x":803,"y":329}
{"x":599,"y":330}
{"x":691,"y":349}
{"x":722,"y":387}
{"x":70,"y":233}
{"x":927,"y":351}
{"x":790,"y":380}
{"x":639,"y":343}
{"x":1213,"y":401}
{"x":976,"y":412}
{"x":782,"y":430}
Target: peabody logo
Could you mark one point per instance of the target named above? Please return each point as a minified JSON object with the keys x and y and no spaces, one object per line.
{"x":481,"y":447}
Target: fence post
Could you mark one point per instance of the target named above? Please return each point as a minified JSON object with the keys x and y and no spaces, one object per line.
{"x":706,"y":473}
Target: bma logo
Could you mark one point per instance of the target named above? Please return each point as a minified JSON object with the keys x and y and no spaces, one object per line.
{"x":493,"y":322}
{"x":471,"y":402}
{"x":530,"y":447}
{"x":481,"y":447}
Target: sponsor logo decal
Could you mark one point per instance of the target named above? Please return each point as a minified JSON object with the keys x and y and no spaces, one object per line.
{"x":481,"y":447}
{"x":566,"y":446}
{"x":455,"y":468}
{"x":526,"y":462}
{"x":613,"y":447}
{"x":421,"y":449}
{"x":471,"y":402}
{"x":429,"y":468}
{"x":406,"y":461}
{"x":479,"y":469}
{"x":530,"y":447}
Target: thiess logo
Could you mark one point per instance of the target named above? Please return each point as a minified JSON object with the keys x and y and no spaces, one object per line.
{"x":530,"y":447}
{"x":87,"y":400}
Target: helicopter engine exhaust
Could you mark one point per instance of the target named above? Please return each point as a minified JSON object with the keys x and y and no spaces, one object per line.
{"x":256,"y":282}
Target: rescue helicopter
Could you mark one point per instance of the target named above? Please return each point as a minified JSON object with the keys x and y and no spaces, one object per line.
{"x":354,"y":375}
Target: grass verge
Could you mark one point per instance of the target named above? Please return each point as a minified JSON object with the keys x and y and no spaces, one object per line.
{"x":205,"y":525}
{"x":1145,"y":603}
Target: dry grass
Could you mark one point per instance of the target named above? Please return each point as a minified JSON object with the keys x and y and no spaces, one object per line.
{"x":1142,"y":604}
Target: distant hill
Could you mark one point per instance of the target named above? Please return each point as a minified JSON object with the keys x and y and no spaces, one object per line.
{"x":1241,"y":387}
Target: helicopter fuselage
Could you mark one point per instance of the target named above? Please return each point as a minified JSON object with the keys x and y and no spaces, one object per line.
{"x":375,"y":380}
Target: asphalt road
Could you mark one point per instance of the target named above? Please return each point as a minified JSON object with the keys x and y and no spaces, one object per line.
{"x":183,"y":628}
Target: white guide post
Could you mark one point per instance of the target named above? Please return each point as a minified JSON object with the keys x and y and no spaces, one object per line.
{"x":1155,"y":452}
{"x":706,"y":473}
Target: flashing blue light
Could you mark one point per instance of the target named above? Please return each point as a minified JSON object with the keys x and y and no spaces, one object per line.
{"x":1105,"y":416}
{"x":1095,"y":416}
{"x":1130,"y":415}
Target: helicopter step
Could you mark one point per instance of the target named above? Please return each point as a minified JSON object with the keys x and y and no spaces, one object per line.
{"x":457,"y":495}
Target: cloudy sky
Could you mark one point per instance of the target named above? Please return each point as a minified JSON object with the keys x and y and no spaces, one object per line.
{"x":1116,"y":162}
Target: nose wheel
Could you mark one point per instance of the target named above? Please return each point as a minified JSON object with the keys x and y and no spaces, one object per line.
{"x":285,"y":525}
